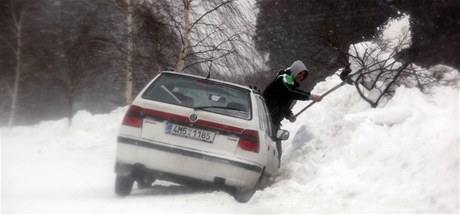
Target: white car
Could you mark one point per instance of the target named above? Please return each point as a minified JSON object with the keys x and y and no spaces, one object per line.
{"x":184,"y":128}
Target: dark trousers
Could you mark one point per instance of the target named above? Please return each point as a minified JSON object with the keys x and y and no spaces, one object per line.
{"x":276,"y":127}
{"x":280,"y":151}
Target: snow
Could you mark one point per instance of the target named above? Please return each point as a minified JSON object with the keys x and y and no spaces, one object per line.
{"x":397,"y":32}
{"x":342,"y":157}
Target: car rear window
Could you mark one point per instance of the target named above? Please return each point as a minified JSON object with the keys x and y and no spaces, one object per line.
{"x":201,"y":94}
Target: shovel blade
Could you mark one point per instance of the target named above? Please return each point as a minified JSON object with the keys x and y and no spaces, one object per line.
{"x":344,"y":75}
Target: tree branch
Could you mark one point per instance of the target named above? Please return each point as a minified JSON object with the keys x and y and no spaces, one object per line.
{"x":210,"y":11}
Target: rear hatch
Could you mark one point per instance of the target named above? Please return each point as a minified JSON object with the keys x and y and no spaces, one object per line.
{"x":198,"y":114}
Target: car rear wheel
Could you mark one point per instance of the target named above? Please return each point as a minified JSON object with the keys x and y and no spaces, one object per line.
{"x":123,"y":185}
{"x":245,"y":195}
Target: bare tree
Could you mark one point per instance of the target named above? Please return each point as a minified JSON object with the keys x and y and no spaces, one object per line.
{"x":380,"y":70}
{"x":84,"y":52}
{"x":127,"y":7}
{"x":14,"y":25}
{"x":129,"y":60}
{"x":213,"y":34}
{"x":185,"y":28}
{"x":148,"y":42}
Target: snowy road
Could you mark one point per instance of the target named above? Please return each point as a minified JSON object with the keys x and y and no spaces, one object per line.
{"x":67,"y":177}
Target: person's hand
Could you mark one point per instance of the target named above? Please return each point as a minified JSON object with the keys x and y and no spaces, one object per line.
{"x":292,"y":118}
{"x":316,"y":98}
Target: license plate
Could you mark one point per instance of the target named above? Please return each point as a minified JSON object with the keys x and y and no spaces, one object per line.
{"x":188,"y":132}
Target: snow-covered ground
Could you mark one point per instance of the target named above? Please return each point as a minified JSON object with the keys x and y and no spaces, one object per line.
{"x":342,"y":157}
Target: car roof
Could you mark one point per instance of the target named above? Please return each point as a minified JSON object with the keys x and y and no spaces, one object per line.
{"x":204,"y":78}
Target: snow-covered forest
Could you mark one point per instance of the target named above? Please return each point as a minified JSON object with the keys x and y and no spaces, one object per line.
{"x":387,"y":143}
{"x":58,"y":57}
{"x":96,"y":55}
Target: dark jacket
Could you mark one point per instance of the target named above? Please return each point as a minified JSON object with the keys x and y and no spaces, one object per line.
{"x":280,"y":94}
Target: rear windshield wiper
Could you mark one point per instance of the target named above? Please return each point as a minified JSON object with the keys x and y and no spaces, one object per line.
{"x":212,"y":106}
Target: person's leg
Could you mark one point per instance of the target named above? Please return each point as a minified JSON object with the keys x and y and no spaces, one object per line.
{"x":279,"y":149}
{"x":278,"y":144}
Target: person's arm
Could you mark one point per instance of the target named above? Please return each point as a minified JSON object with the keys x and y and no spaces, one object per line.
{"x":287,"y":113}
{"x":293,"y":91}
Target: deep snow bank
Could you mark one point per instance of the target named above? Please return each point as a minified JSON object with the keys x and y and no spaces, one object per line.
{"x":343,"y":156}
{"x":403,"y":157}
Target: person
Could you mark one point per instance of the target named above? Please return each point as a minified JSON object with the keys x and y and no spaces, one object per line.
{"x":281,"y":93}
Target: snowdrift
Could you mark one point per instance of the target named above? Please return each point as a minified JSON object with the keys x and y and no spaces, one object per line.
{"x":342,"y":157}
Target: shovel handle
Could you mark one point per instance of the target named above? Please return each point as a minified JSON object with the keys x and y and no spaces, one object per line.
{"x":322,"y":95}
{"x":344,"y":76}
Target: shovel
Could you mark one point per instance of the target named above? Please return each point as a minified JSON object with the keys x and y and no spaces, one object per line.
{"x":344,"y":76}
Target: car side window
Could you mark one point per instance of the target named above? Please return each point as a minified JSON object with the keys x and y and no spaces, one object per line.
{"x":264,"y":116}
{"x":261,"y":115}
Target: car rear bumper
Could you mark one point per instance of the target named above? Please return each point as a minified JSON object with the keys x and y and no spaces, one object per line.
{"x":162,"y":158}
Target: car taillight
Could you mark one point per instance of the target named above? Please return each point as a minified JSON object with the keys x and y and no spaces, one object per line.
{"x":249,"y":141}
{"x":133,"y":116}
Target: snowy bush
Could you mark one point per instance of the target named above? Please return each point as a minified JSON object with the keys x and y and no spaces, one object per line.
{"x":379,"y":68}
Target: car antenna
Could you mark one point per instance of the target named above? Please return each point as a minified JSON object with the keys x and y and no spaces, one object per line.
{"x":209,"y":71}
{"x":249,"y":83}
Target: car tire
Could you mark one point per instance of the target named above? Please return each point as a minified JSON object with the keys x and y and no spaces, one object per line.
{"x":244,"y":196}
{"x":264,"y":182}
{"x":123,"y":185}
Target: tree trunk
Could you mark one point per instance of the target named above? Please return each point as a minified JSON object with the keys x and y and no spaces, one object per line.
{"x":129,"y":62}
{"x":17,"y":77}
{"x":185,"y":38}
{"x":70,"y":110}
